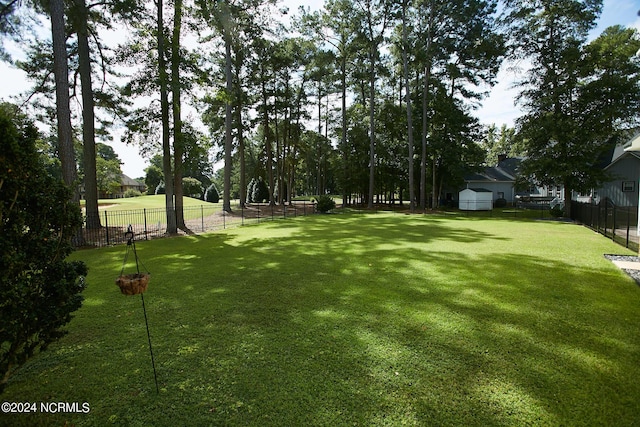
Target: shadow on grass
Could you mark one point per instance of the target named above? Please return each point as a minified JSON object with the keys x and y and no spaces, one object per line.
{"x":354,"y":320}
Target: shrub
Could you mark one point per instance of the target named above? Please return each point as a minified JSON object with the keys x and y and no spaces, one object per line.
{"x":212,"y":195}
{"x":250,"y":188}
{"x":325,"y":203}
{"x":132,"y":193}
{"x":556,"y":212}
{"x":260,"y":191}
{"x":153,"y":177}
{"x":38,"y":289}
{"x":191,"y":187}
{"x":500,"y":203}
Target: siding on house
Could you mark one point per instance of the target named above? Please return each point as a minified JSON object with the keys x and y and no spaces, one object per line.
{"x":623,"y":189}
{"x":499,"y":180}
{"x":622,"y":163}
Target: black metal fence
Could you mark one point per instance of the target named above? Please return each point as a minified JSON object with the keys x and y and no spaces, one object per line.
{"x":152,"y":223}
{"x":620,"y":223}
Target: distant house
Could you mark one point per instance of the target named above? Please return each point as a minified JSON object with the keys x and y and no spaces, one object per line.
{"x":623,"y":165}
{"x":126,"y":184}
{"x":500,"y":180}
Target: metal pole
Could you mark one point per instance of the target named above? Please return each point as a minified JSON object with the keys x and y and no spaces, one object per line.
{"x":144,"y":212}
{"x":106,"y":226}
{"x":153,"y":363}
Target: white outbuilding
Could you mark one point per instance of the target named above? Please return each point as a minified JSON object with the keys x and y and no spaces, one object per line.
{"x":475,"y":199}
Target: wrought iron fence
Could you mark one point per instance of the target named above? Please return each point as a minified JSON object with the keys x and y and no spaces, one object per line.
{"x":620,"y":223}
{"x":152,"y":223}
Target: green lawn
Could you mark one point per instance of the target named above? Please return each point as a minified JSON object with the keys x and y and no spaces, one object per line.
{"x":359,"y":319}
{"x":146,"y":202}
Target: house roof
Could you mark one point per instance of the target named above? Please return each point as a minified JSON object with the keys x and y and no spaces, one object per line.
{"x":634,"y":144}
{"x":505,"y":171}
{"x":130,"y":182}
{"x":624,"y":155}
{"x":620,"y":151}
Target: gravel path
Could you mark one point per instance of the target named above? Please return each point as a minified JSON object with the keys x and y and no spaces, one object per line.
{"x":635,"y":274}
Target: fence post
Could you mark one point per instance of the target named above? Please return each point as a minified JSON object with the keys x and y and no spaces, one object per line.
{"x":242,"y":214}
{"x":202,"y":216}
{"x":224,"y":223}
{"x":628,"y":229}
{"x":106,"y":226}
{"x":613,"y":229}
{"x":144,"y":213}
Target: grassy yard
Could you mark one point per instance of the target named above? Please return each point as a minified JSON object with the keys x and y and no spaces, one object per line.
{"x":147,"y":202}
{"x":358,"y":319}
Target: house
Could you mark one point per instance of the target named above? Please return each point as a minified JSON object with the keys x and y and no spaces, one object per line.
{"x":499,"y":180}
{"x":127,"y":184}
{"x":622,"y":163}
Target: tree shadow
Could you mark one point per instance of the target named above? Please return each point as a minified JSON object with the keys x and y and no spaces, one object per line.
{"x":359,"y":320}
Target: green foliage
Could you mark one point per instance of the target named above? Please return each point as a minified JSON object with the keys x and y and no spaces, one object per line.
{"x":192,"y":187}
{"x":132,"y":193}
{"x":556,"y":212}
{"x":153,"y":177}
{"x":500,"y":141}
{"x":577,"y":96}
{"x":38,"y":289}
{"x":108,"y":175}
{"x":212,"y":195}
{"x":325,"y":203}
{"x":250,"y":189}
{"x":260,"y":191}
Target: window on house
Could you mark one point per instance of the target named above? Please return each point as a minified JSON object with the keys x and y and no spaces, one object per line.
{"x":628,"y":186}
{"x":500,"y":195}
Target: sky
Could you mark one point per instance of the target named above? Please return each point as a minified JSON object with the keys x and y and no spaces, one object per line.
{"x":498,"y":108}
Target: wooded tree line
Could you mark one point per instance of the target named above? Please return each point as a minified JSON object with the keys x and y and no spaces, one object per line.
{"x":368,"y":98}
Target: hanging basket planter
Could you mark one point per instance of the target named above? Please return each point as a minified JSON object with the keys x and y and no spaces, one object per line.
{"x":133,"y":284}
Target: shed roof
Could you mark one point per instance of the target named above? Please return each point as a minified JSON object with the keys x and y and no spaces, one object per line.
{"x":479,"y":190}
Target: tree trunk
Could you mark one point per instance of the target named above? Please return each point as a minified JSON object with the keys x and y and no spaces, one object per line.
{"x":405,"y":62}
{"x":267,"y":140}
{"x":178,"y":140}
{"x":343,"y":76}
{"x":240,"y":126}
{"x":88,"y":119}
{"x":63,"y":110}
{"x":567,"y":200}
{"x":425,"y":127}
{"x":172,"y":227}
{"x":434,"y":193}
{"x":228,"y":137}
{"x":372,"y":130}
